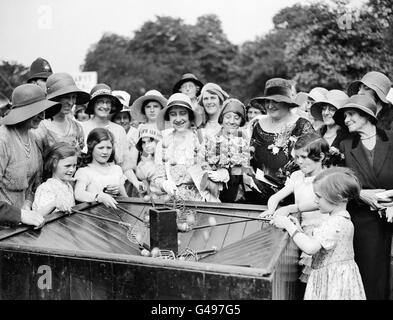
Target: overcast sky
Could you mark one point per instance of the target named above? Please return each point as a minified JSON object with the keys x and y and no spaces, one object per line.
{"x":63,"y":30}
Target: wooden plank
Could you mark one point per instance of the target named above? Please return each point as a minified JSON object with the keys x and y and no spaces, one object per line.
{"x":80,"y":283}
{"x":101,"y":280}
{"x":15,"y":277}
{"x":180,"y":284}
{"x":134,"y":282}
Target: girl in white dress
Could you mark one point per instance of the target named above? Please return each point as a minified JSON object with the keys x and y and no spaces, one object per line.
{"x":309,"y":152}
{"x":57,"y":192}
{"x":335,"y":274}
{"x":101,"y":180}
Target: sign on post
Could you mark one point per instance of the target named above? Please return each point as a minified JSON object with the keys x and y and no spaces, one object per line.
{"x":85,"y":80}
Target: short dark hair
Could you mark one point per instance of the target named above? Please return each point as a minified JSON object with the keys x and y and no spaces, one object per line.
{"x":313,"y":144}
{"x":338,"y":184}
{"x":144,"y":104}
{"x":54,"y":154}
{"x":191,"y":115}
{"x":96,"y":136}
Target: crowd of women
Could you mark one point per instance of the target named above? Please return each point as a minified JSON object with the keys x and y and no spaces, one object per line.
{"x":60,"y":145}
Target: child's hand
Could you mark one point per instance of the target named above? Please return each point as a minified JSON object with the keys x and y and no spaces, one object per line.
{"x":107,"y":200}
{"x":31,"y":218}
{"x":283,"y":211}
{"x":280,"y":221}
{"x":266,"y":214}
{"x":61,"y":206}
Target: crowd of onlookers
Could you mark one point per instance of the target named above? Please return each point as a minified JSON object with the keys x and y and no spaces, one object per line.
{"x":60,"y":145}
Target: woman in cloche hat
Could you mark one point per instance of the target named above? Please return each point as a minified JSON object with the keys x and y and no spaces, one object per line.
{"x":20,"y":157}
{"x":324,"y":111}
{"x":368,"y":151}
{"x":273,"y":137}
{"x":101,"y":105}
{"x":179,"y":151}
{"x":227,"y":154}
{"x":61,"y":127}
{"x":377,"y":86}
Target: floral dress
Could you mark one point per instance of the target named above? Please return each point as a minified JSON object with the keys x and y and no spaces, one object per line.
{"x":335,"y":274}
{"x":174,"y":163}
{"x":229,"y":151}
{"x":53,"y":191}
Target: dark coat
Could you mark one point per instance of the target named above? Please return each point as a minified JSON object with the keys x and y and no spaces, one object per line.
{"x":373,"y":235}
{"x":9,"y":215}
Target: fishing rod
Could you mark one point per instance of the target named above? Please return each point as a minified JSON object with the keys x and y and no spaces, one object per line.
{"x":232,"y":215}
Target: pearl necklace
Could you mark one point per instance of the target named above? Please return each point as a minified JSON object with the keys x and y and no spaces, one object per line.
{"x":26,"y":146}
{"x":372,"y":136}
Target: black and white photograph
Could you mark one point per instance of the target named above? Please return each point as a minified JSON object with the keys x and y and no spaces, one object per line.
{"x":192,"y":155}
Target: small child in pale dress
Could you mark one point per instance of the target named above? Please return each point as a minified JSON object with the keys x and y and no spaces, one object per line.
{"x":145,"y":170}
{"x":57,"y":192}
{"x":335,"y":274}
{"x":101,"y":180}
{"x":310,"y":150}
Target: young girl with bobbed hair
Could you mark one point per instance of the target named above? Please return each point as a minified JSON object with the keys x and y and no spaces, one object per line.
{"x":57,"y":192}
{"x":310,"y":151}
{"x":101,"y":179}
{"x":334,"y":272}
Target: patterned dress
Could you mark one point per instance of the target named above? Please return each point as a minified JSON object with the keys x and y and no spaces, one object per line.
{"x":53,"y":191}
{"x":174,"y":161}
{"x":335,"y":274}
{"x":20,"y":167}
{"x":47,"y":134}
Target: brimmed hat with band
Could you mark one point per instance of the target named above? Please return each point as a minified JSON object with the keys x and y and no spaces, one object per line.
{"x":151,"y":95}
{"x":358,"y":102}
{"x":147,"y":133}
{"x":233,"y":105}
{"x":187,"y":77}
{"x":180,"y":100}
{"x":376,"y":81}
{"x":335,"y":98}
{"x":28,"y":100}
{"x":39,"y":69}
{"x":60,"y":84}
{"x":102,"y":90}
{"x":278,"y":90}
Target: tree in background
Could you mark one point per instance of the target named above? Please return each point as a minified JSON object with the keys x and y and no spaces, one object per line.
{"x":12,"y":74}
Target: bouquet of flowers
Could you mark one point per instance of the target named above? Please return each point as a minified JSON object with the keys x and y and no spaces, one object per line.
{"x":283,"y":140}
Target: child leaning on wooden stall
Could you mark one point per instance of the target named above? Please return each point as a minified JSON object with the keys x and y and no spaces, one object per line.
{"x":335,"y":274}
{"x":101,"y":179}
{"x":57,"y":192}
{"x":310,"y":152}
{"x":227,"y":154}
{"x":146,"y":167}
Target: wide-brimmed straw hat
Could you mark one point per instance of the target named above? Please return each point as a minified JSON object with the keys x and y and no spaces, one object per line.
{"x":180,"y":100}
{"x":39,"y":69}
{"x":103,"y":90}
{"x":151,"y":95}
{"x":358,"y":102}
{"x":278,"y":90}
{"x":187,"y":77}
{"x":335,"y":98}
{"x":376,"y":81}
{"x":60,"y":84}
{"x":233,"y":105}
{"x":28,"y":100}
{"x":147,"y":132}
{"x":318,"y":94}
